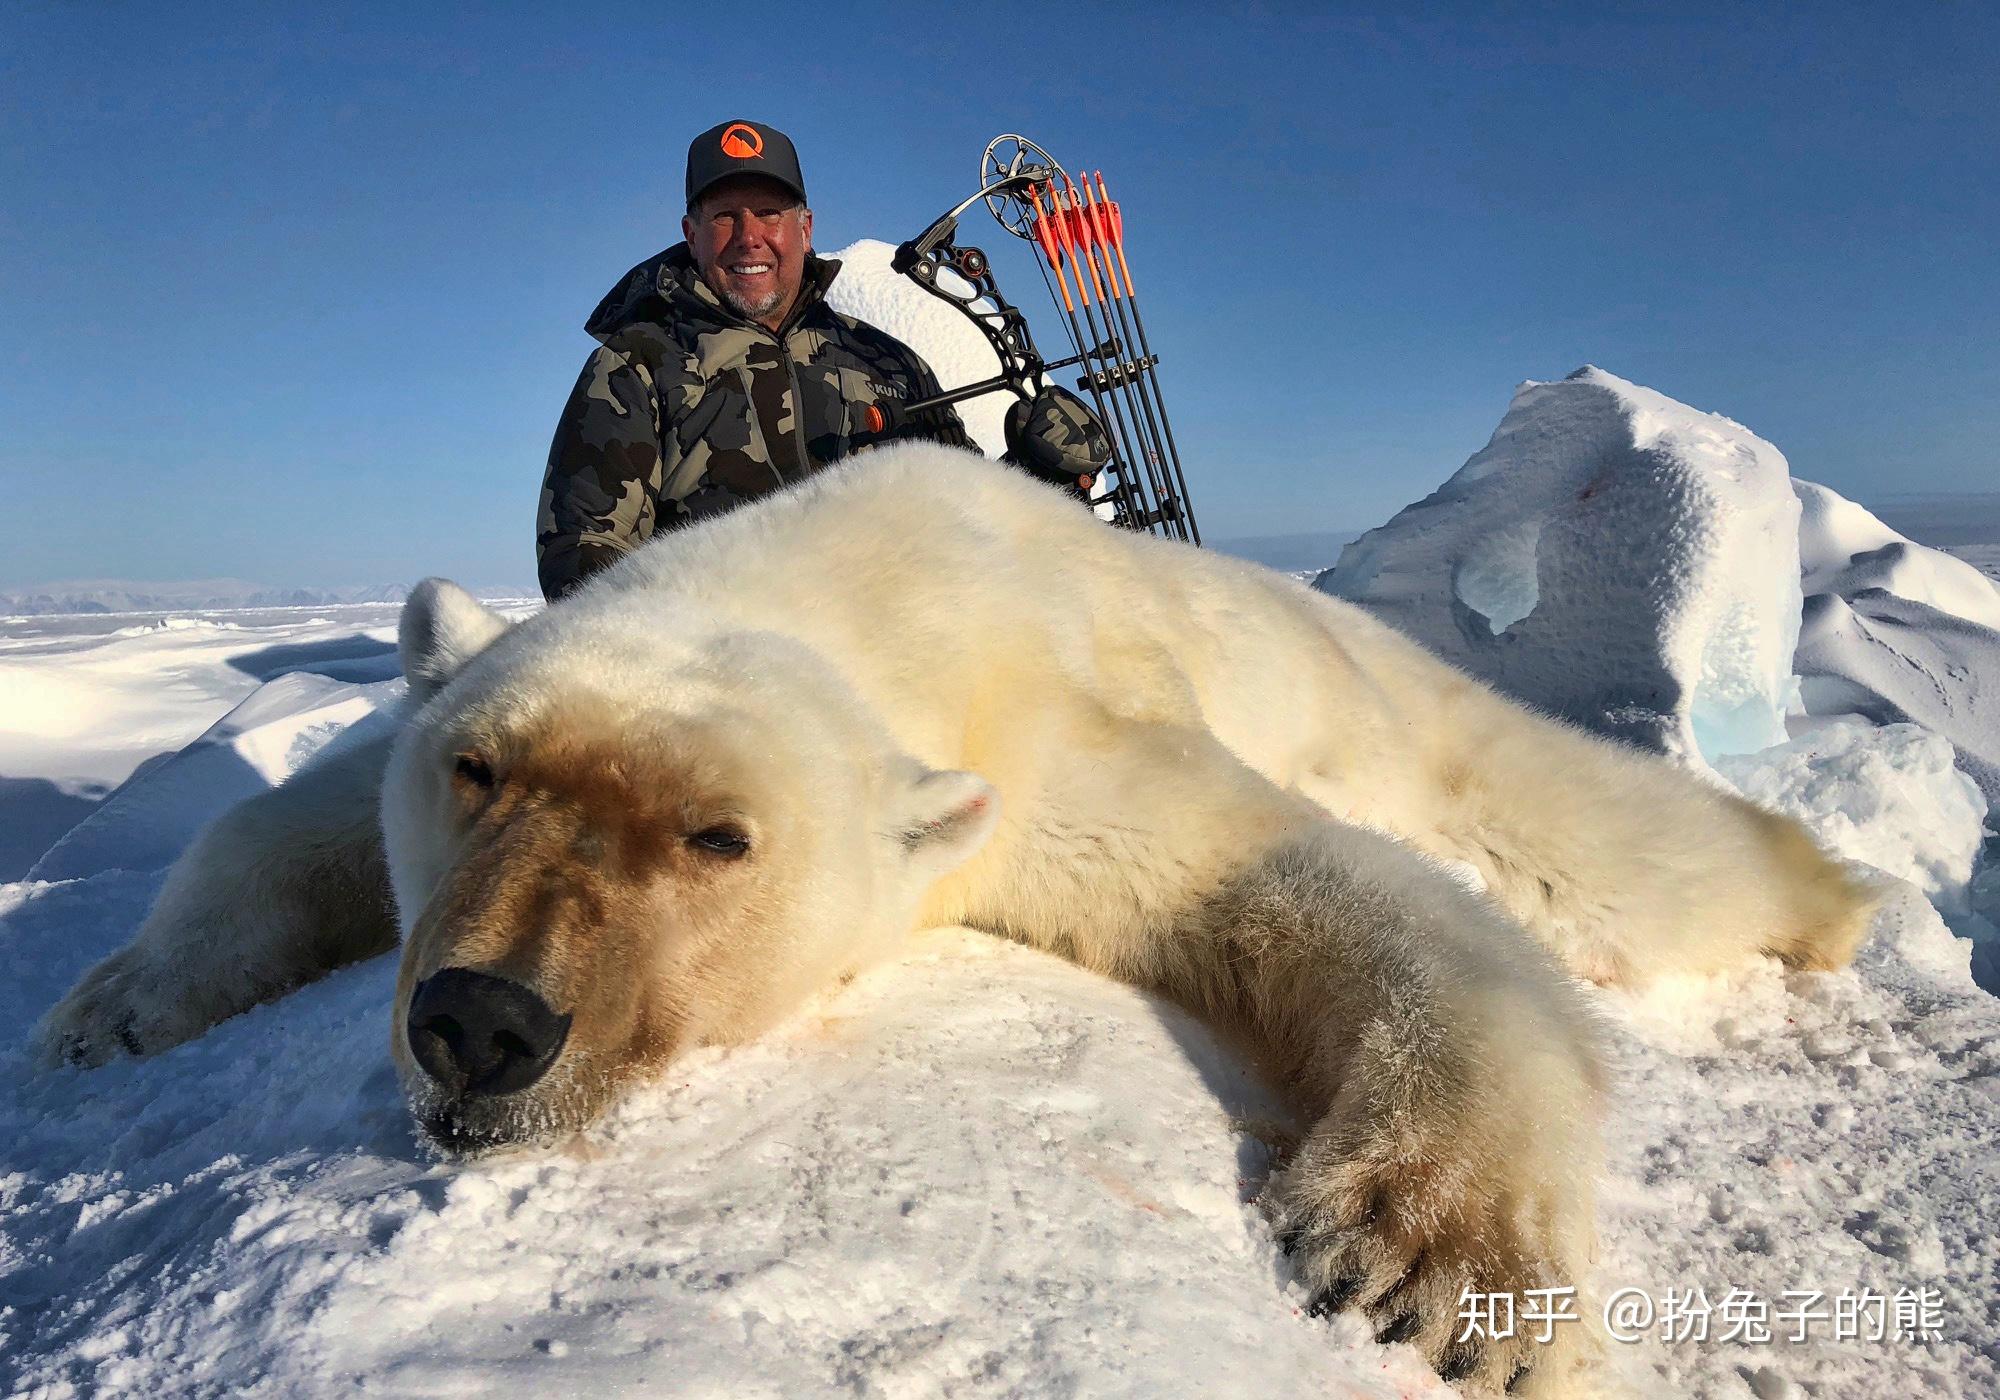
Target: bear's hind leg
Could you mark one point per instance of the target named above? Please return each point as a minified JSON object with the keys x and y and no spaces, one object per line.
{"x":1628,"y":867}
{"x":1829,"y":911}
{"x":276,"y":892}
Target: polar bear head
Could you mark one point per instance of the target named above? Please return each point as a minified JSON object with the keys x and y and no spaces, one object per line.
{"x":609,"y":843}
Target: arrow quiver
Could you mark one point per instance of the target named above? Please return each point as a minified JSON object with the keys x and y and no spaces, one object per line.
{"x":1079,"y":234}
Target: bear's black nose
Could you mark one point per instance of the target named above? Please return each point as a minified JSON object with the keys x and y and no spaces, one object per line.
{"x":481,"y":1035}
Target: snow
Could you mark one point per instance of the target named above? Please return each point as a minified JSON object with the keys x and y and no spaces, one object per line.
{"x":980,"y":1170}
{"x":88,"y":701}
{"x":1823,"y":1133}
{"x":945,"y":337}
{"x":253,"y":747}
{"x":92,"y":700}
{"x":1613,"y":556}
{"x":1844,"y":549}
{"x":1896,"y":631}
{"x":1892,"y":798}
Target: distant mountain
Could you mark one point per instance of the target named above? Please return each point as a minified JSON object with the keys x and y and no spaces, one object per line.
{"x":196,"y":595}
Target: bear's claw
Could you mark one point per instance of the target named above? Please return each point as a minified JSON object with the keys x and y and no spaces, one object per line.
{"x":1459,"y":1362}
{"x":1401,"y":1329}
{"x":1333,"y":1298}
{"x":1406,"y":1261}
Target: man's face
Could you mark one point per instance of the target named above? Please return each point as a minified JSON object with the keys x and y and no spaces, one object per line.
{"x":749,"y":238}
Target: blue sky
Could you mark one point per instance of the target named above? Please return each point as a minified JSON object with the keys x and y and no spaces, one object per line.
{"x":296,"y":295}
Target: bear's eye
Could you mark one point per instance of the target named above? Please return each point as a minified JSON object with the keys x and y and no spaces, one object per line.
{"x":721,"y":841}
{"x":471,"y":768}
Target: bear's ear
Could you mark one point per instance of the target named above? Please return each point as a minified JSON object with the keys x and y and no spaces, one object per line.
{"x":443,"y":627}
{"x":941,"y":819}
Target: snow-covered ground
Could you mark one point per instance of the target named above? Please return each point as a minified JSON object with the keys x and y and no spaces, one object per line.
{"x":980,"y":1170}
{"x":89,"y":699}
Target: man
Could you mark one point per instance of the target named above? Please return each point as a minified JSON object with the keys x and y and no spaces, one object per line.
{"x":723,"y":374}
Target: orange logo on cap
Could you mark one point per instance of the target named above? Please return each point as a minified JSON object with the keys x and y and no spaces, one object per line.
{"x":742,"y":142}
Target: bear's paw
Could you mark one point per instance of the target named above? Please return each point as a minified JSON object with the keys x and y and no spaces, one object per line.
{"x":1424,"y":1241}
{"x":126,"y":1005}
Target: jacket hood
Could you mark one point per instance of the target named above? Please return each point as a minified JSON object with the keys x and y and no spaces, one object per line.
{"x":666,"y":288}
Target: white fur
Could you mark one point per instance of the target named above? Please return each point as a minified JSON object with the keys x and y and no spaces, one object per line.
{"x":953,"y":696}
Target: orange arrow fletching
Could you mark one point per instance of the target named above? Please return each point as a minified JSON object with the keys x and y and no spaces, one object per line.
{"x":1085,"y":242}
{"x":1116,"y":220}
{"x":1079,"y":224}
{"x":1046,"y":234}
{"x":1098,"y":230}
{"x":1117,"y":237}
{"x":1061,"y":222}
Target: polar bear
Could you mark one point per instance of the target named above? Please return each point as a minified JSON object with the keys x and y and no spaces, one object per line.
{"x":918,"y":690}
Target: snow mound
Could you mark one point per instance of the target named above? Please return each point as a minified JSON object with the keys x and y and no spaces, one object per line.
{"x":1895,"y":631}
{"x":1892,"y":798}
{"x":948,"y":341}
{"x":1611,"y":556}
{"x":151,"y":818}
{"x":1845,"y":549}
{"x":176,"y":624}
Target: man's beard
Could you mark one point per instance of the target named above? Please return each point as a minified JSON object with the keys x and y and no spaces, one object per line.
{"x":754,"y":309}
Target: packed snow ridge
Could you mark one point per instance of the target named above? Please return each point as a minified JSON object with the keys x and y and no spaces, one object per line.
{"x":983,"y":1171}
{"x":1655,"y":573}
{"x":1617,"y":557}
{"x":1894,"y":631}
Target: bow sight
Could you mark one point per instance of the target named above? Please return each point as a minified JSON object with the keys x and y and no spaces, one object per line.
{"x":1081,"y":235}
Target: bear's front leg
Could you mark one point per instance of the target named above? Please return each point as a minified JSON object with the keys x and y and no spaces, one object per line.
{"x":277,"y":891}
{"x":1453,"y":1070}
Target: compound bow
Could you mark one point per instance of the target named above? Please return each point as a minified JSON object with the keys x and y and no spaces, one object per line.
{"x":1081,"y":237}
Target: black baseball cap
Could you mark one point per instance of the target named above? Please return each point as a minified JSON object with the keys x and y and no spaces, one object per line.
{"x":742,"y":148}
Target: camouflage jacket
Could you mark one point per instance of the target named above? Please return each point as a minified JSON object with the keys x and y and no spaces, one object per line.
{"x":687,"y":409}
